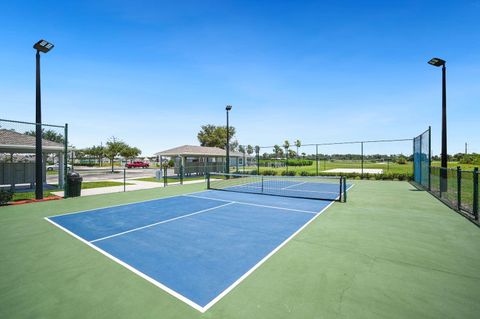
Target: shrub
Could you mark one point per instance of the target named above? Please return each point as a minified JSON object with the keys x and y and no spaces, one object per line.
{"x":269,"y":172}
{"x":5,"y":196}
{"x":289,"y":173}
{"x":299,"y":162}
{"x":304,"y":173}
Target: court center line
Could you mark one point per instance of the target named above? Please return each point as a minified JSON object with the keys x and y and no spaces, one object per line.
{"x":252,"y":204}
{"x":162,"y":222}
{"x":293,"y":185}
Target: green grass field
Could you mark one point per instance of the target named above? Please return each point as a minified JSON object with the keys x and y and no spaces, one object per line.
{"x":387,"y":167}
{"x":391,"y":251}
{"x":87,"y":185}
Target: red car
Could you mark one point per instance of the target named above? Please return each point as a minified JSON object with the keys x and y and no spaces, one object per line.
{"x":137,"y":164}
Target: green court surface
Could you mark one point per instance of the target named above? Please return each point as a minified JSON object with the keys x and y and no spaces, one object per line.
{"x":391,"y":251}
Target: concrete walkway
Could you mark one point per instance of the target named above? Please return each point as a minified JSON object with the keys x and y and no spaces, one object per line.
{"x":137,"y":185}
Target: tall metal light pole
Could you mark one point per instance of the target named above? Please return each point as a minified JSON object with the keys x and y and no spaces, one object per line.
{"x":40,"y":46}
{"x":443,"y":174}
{"x":227,"y":164}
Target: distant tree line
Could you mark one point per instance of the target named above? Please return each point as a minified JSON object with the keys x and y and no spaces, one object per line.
{"x":113,"y":147}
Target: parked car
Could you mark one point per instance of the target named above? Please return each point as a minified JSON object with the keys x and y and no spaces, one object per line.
{"x":54,"y":167}
{"x":137,"y":164}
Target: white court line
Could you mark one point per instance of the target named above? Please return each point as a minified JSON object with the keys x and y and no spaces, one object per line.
{"x":245,"y":275}
{"x":251,"y":204}
{"x":124,"y":204}
{"x":162,"y":222}
{"x":293,"y":185}
{"x":134,"y":270}
{"x":171,"y":291}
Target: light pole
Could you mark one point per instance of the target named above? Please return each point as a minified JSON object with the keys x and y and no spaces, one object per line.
{"x":227,"y":164}
{"x":443,"y":174}
{"x":40,"y":46}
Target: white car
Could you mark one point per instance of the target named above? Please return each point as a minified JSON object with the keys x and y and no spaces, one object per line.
{"x":54,"y":167}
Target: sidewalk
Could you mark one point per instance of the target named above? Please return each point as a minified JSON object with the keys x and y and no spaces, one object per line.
{"x":138,"y":185}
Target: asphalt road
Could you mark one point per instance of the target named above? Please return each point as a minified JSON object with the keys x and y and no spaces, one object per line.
{"x":90,"y":174}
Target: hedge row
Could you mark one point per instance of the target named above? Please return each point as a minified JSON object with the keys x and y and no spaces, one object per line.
{"x":384,"y":176}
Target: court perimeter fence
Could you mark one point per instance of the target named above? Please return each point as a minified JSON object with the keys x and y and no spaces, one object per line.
{"x":455,"y":187}
{"x":367,"y":159}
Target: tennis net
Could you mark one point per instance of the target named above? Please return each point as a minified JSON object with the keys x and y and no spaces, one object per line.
{"x":311,"y":187}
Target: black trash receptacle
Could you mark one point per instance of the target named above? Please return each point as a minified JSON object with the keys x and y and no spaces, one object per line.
{"x":74,"y":182}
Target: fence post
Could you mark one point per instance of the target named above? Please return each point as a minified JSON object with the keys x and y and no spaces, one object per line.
{"x":459,"y":188}
{"x":65,"y":163}
{"x":475,"y":192}
{"x":165,"y":170}
{"x":362,"y":158}
{"x":124,"y":180}
{"x":429,"y":158}
{"x":258,"y":162}
{"x":316,"y":157}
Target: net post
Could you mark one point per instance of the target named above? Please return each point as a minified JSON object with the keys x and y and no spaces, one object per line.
{"x":459,"y":188}
{"x":65,"y":162}
{"x":344,"y":189}
{"x":262,"y":183}
{"x":340,"y":197}
{"x":475,"y":192}
{"x":208,"y":180}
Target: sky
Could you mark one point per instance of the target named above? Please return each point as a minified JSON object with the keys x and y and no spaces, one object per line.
{"x":152,"y":72}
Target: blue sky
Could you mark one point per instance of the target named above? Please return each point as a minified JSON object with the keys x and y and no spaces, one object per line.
{"x":152,"y":72}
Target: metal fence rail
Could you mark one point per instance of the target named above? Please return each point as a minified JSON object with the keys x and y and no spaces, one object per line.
{"x":461,"y":193}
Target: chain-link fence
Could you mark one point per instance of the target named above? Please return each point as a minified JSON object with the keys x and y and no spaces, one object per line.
{"x":378,"y":159}
{"x":18,"y":169}
{"x":461,"y":191}
{"x":455,"y":187}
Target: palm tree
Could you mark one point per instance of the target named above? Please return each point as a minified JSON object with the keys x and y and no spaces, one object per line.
{"x":298,"y":143}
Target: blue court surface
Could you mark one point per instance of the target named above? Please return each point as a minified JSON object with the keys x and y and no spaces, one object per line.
{"x":197,"y":246}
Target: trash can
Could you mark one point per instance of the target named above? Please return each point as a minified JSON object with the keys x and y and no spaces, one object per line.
{"x":74,"y":184}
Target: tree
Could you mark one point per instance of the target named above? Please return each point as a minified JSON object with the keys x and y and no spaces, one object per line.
{"x":277,"y":150}
{"x":97,"y":152}
{"x":49,"y":135}
{"x":241,"y":149}
{"x":130,"y":153}
{"x":249,"y":149}
{"x":286,"y":145}
{"x":114,"y":148}
{"x":298,"y":143}
{"x":216,"y":136}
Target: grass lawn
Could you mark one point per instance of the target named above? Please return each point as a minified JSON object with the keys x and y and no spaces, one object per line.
{"x":170,"y":180}
{"x":87,"y":185}
{"x":28,"y":195}
{"x":387,"y":167}
{"x":468,"y":167}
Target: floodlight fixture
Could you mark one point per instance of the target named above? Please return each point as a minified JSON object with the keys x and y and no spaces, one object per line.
{"x":437,"y":62}
{"x":43,"y":46}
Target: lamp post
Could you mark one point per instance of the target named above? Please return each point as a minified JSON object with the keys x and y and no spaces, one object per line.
{"x":40,"y":46}
{"x":227,"y":164}
{"x":443,"y":175}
